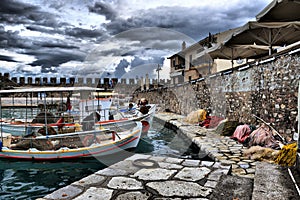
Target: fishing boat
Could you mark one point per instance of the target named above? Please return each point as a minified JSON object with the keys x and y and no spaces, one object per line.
{"x":112,"y":116}
{"x":143,"y":113}
{"x":87,"y":136}
{"x":75,"y":145}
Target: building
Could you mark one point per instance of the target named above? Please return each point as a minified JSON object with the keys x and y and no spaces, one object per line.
{"x":187,"y":65}
{"x":277,"y":27}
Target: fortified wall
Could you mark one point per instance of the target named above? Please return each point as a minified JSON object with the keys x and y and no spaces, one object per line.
{"x":126,"y":87}
{"x":266,"y":88}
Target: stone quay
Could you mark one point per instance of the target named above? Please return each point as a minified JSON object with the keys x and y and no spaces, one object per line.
{"x":228,"y":176}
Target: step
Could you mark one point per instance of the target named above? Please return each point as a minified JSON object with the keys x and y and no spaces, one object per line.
{"x":273,"y":182}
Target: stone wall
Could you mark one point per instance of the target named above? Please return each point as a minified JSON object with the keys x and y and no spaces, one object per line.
{"x":268,"y":90}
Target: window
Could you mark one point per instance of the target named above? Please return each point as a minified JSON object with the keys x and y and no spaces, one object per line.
{"x":190,"y":60}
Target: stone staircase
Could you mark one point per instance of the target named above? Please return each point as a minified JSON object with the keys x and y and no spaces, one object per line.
{"x":270,"y":182}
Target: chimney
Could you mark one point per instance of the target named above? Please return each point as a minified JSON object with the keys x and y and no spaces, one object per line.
{"x":183,"y":46}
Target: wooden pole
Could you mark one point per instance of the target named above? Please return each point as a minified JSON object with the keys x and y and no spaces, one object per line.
{"x":298,"y":115}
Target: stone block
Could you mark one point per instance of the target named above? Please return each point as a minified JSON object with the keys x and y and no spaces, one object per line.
{"x":125,"y":183}
{"x":154,"y":174}
{"x":179,"y":188}
{"x":192,"y":174}
{"x":94,"y":193}
{"x":67,"y":192}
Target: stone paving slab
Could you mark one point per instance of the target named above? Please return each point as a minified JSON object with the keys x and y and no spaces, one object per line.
{"x":172,"y":180}
{"x":179,"y":188}
{"x":218,"y":148}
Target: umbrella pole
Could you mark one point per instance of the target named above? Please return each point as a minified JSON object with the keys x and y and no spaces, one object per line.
{"x":298,"y":116}
{"x":270,"y":50}
{"x":231,"y":57}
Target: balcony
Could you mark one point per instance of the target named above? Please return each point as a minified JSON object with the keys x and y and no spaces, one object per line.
{"x":179,"y":66}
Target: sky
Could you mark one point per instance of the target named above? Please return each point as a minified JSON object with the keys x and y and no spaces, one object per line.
{"x":109,"y":38}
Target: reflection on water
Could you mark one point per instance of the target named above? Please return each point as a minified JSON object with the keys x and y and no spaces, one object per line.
{"x":161,"y":141}
{"x":30,"y":180}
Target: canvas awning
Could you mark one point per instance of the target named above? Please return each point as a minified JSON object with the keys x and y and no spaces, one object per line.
{"x":239,"y":51}
{"x":266,"y":33}
{"x":280,"y":11}
{"x":256,"y":39}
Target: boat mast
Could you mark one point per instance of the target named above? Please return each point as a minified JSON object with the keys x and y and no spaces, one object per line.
{"x":31,"y":106}
{"x":98,"y":102}
{"x":26,"y":95}
{"x":13,"y":106}
{"x":45,"y":110}
{"x":1,"y":119}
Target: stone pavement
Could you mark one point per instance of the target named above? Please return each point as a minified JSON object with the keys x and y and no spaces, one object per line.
{"x":219,"y":148}
{"x":144,"y":176}
{"x":228,"y":176}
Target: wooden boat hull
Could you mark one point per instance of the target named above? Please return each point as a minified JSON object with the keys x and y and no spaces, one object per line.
{"x":95,"y":150}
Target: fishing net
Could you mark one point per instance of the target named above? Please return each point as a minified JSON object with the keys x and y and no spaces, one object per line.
{"x":287,"y":155}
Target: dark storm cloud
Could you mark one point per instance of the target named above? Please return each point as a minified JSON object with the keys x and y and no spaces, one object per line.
{"x":120,"y":69}
{"x":15,"y":12}
{"x":7,"y":58}
{"x":11,"y":39}
{"x":103,"y":9}
{"x":55,"y":57}
{"x":58,"y":45}
{"x":15,"y":7}
{"x":195,"y":22}
{"x":42,"y":29}
{"x":74,"y":35}
{"x":47,"y":52}
{"x":83,"y":33}
{"x":138,"y":67}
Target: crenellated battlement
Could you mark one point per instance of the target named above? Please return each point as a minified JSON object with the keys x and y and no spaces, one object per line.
{"x":83,"y":81}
